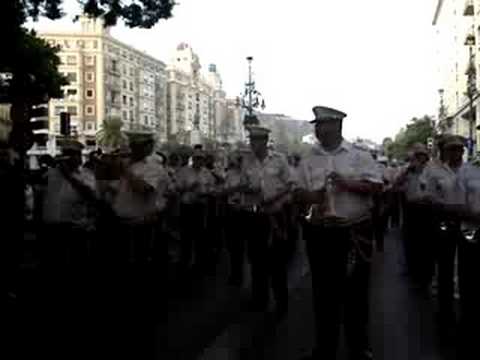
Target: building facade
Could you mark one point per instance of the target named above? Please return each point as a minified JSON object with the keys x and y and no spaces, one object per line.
{"x":198,"y":108}
{"x":107,"y":79}
{"x":456,"y":23}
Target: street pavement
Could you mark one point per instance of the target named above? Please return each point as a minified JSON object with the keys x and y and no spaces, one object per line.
{"x":205,"y":318}
{"x":402,"y":325}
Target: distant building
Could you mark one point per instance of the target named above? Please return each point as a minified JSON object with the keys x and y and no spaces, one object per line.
{"x":198,"y":108}
{"x":456,"y":23}
{"x":108,"y":79}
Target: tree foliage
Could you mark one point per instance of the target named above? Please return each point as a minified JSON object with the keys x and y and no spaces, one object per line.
{"x":110,"y":136}
{"x":33,"y":65}
{"x":135,"y":13}
{"x":418,"y":130}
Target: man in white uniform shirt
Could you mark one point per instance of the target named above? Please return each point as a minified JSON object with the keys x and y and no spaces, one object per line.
{"x":418,"y":222}
{"x":194,"y":183}
{"x":137,"y":199}
{"x":266,"y":175}
{"x":337,"y":182}
{"x":469,"y":262}
{"x":236,"y":232}
{"x":445,"y":194}
{"x":68,"y":224}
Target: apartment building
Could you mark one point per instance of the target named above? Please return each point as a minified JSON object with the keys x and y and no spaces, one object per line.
{"x":457,"y":28}
{"x":107,"y":79}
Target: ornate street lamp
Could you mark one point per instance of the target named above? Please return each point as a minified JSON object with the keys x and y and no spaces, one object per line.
{"x":471,"y":92}
{"x":251,"y":99}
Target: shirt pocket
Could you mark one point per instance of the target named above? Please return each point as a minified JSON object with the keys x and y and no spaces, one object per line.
{"x":316,"y":177}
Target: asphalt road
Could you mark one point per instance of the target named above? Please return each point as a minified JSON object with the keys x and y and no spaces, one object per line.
{"x":402,"y":321}
{"x":153,"y":318}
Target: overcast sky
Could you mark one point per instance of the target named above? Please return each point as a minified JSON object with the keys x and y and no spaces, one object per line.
{"x":373,"y":59}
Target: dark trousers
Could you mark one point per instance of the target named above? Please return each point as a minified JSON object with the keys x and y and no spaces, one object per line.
{"x":420,"y":231}
{"x":194,"y":240}
{"x":237,"y":235}
{"x":468,"y":276}
{"x":327,"y":250}
{"x":215,"y":230}
{"x":267,"y":254}
{"x":448,"y":240}
{"x":292,"y":225}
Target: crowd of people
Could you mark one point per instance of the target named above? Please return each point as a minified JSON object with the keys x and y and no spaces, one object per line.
{"x":124,"y":217}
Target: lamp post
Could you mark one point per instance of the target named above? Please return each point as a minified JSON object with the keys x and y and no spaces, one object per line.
{"x":251,"y":99}
{"x":471,"y":91}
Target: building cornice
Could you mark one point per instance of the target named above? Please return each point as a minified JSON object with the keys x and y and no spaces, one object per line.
{"x":438,"y":10}
{"x":104,"y":37}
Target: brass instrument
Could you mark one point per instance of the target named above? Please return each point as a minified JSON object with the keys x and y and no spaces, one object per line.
{"x":330,"y":211}
{"x":326,"y":210}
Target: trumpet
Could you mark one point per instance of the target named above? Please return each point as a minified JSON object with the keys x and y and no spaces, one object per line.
{"x":330,"y":210}
{"x":327,"y":209}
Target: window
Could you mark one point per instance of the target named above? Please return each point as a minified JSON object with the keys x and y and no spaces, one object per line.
{"x":131,"y":86}
{"x":80,"y":44}
{"x":89,"y":93}
{"x":66,"y":43}
{"x":90,"y":125}
{"x":90,"y":76}
{"x":90,"y":60}
{"x":124,"y":115}
{"x":71,"y":92}
{"x":72,"y":77}
{"x":124,"y":84}
{"x":131,"y":115}
{"x":131,"y":101}
{"x":146,"y":119}
{"x":124,"y":68}
{"x":124,"y":100}
{"x":72,"y":110}
{"x":114,"y":65}
{"x":95,"y":44}
{"x":58,"y":109}
{"x":114,"y":96}
{"x":89,"y":110}
{"x":132,"y":71}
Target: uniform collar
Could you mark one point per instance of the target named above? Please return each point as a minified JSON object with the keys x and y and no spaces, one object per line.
{"x":344,"y":146}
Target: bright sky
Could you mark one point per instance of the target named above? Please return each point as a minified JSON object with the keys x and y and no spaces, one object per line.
{"x":373,"y":59}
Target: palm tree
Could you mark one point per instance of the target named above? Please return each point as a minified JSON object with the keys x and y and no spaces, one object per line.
{"x":110,"y":136}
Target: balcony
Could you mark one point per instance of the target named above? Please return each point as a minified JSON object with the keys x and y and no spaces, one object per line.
{"x":469,"y":8}
{"x":470,"y":40}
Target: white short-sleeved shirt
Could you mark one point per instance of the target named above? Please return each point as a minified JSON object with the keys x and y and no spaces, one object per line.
{"x":415,"y":187}
{"x":350,"y":162}
{"x":63,"y":204}
{"x":233,"y":179}
{"x":442,"y":184}
{"x":132,"y":206}
{"x":187,"y":176}
{"x":469,"y":182}
{"x":272,"y":176}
